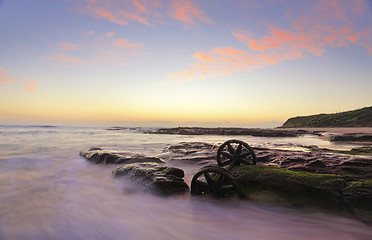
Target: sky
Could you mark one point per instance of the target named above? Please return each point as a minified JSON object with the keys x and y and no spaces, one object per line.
{"x":206,"y":62}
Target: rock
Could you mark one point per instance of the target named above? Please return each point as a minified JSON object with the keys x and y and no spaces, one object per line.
{"x":98,"y":155}
{"x":359,"y":151}
{"x":357,"y":137}
{"x":300,"y":189}
{"x":319,"y":161}
{"x":258,"y":132}
{"x":193,"y":152}
{"x":358,"y":197}
{"x":164,"y":180}
{"x":330,"y":192}
{"x":356,"y":168}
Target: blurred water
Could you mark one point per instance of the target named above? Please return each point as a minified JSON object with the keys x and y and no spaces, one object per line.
{"x":47,"y":191}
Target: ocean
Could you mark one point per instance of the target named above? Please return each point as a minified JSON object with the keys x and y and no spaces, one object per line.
{"x":48,"y":191}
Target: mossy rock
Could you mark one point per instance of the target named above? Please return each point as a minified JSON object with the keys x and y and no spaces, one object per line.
{"x":358,"y":197}
{"x":300,"y":189}
{"x":358,"y":151}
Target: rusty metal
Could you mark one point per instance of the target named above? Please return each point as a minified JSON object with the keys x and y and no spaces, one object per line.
{"x":218,"y":181}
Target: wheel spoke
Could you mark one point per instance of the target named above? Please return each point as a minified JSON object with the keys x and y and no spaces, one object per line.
{"x":209,"y":179}
{"x":231,"y":149}
{"x":226,"y":154}
{"x":226,"y":163}
{"x":239,"y":149}
{"x":220,"y":181}
{"x":244,"y":161}
{"x":244,"y":155}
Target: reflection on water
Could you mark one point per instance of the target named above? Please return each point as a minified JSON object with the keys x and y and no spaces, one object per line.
{"x":49,"y":192}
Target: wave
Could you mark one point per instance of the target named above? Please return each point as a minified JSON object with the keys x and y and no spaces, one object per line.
{"x":29,"y":126}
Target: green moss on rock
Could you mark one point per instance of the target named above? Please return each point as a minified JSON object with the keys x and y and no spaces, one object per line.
{"x":358,"y":197}
{"x":358,"y":151}
{"x":300,"y":189}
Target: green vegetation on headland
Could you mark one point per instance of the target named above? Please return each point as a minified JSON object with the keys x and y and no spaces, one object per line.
{"x":356,"y":118}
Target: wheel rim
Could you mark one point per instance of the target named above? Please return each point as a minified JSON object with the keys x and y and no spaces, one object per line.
{"x":235,"y":152}
{"x":214,"y":181}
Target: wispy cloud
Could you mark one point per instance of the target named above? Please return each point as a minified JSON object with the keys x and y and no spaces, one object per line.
{"x":3,"y":78}
{"x":124,"y":42}
{"x":145,"y":12}
{"x":107,"y":35}
{"x":64,"y":46}
{"x":325,"y":24}
{"x":314,"y":41}
{"x":63,"y":58}
{"x":110,"y":34}
{"x":30,"y":86}
{"x":220,"y":62}
{"x":188,"y":12}
{"x":101,"y":12}
{"x":98,"y":50}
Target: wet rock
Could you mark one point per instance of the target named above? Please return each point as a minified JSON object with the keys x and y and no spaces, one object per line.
{"x":358,"y":197}
{"x":319,"y":161}
{"x":316,"y":164}
{"x":153,"y":176}
{"x":358,"y":137}
{"x":258,"y":132}
{"x":331,"y":192}
{"x":356,"y":168}
{"x":300,"y":189}
{"x":359,"y":151}
{"x":192,"y":152}
{"x":100,"y":156}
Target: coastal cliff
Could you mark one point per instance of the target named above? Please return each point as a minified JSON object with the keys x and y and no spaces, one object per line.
{"x":356,"y":118}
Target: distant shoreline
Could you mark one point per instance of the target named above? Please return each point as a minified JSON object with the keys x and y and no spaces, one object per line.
{"x":333,"y":130}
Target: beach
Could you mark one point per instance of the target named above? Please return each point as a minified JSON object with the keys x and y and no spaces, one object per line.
{"x":48,"y":191}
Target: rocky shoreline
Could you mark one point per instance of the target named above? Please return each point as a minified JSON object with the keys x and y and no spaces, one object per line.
{"x":317,"y":178}
{"x":256,"y":132}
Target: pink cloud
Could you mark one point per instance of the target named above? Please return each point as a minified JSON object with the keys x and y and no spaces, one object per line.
{"x":64,"y":46}
{"x":363,"y":38}
{"x":119,"y":12}
{"x":332,"y":9}
{"x":221,"y":62}
{"x":140,"y":6}
{"x":30,"y":86}
{"x":228,"y":51}
{"x":314,"y":41}
{"x":63,"y":58}
{"x":205,"y":57}
{"x":123,"y":42}
{"x":136,"y":17}
{"x":324,"y":24}
{"x":188,"y":12}
{"x":110,"y":34}
{"x":145,"y":12}
{"x":106,"y":14}
{"x":3,"y":78}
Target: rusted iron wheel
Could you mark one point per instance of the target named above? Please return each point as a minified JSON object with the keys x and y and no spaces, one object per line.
{"x":214,"y":181}
{"x":235,"y":152}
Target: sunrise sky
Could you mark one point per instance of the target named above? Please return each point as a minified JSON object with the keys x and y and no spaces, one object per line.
{"x":240,"y":61}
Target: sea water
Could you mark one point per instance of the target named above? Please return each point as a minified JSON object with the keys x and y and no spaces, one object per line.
{"x":47,"y":191}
